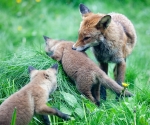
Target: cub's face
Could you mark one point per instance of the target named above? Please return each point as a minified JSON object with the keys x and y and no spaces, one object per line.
{"x":48,"y":77}
{"x":50,"y":45}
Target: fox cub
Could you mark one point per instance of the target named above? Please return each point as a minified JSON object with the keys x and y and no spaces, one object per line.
{"x":32,"y":98}
{"x":112,"y":37}
{"x":86,"y":74}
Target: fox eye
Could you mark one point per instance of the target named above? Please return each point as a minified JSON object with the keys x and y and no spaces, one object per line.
{"x":86,"y":38}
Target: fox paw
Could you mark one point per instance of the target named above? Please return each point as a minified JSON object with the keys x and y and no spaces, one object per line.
{"x":62,"y":115}
{"x":66,"y":117}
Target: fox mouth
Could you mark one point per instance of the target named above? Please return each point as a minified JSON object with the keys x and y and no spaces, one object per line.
{"x":85,"y":47}
{"x":81,"y":49}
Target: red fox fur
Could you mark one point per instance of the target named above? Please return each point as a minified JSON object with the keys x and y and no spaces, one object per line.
{"x":112,"y":37}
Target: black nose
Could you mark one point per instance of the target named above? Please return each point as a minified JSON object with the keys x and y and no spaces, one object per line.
{"x":73,"y":48}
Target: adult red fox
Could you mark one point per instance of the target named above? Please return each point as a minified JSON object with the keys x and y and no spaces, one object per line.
{"x":87,"y":75}
{"x":112,"y":37}
{"x":32,"y":98}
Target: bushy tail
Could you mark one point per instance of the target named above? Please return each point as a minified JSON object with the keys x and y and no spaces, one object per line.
{"x":113,"y":86}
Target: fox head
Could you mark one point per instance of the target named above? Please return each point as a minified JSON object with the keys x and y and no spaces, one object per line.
{"x":47,"y":76}
{"x":92,"y":29}
{"x":50,"y":45}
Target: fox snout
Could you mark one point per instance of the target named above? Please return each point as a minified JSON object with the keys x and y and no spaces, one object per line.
{"x":73,"y":48}
{"x":81,"y":48}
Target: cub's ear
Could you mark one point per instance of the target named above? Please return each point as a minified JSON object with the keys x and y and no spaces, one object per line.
{"x":30,"y":69}
{"x":104,"y":22}
{"x":83,"y":9}
{"x":55,"y":66}
{"x":46,"y":39}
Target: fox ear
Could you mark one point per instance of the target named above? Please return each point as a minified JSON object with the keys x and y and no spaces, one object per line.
{"x":46,"y":39}
{"x":83,"y":9}
{"x":104,"y":22}
{"x":30,"y":69}
{"x":55,"y":66}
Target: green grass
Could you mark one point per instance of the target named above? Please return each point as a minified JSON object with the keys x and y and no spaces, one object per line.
{"x":22,"y":27}
{"x":13,"y":122}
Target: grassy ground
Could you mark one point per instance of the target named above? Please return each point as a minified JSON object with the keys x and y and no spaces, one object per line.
{"x":22,"y":26}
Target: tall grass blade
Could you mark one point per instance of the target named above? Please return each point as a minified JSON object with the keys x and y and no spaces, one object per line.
{"x":13,"y":120}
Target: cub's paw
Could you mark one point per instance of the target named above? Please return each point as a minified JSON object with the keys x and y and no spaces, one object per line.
{"x":62,"y":115}
{"x":66,"y":117}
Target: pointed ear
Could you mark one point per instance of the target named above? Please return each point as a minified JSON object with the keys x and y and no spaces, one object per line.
{"x":83,"y":9}
{"x":46,"y":39}
{"x":30,"y":69}
{"x":104,"y":22}
{"x":55,"y":66}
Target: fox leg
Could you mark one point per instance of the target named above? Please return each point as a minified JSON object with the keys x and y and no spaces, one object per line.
{"x":91,"y":98}
{"x":87,"y":93}
{"x":96,"y":93}
{"x":104,"y":67}
{"x":45,"y":110}
{"x":119,"y":73}
{"x":45,"y":119}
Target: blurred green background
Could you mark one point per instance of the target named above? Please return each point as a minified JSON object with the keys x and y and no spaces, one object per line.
{"x":24,"y":22}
